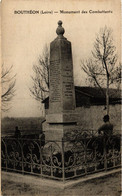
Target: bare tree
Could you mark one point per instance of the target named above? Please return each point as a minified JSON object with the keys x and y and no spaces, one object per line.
{"x":8,"y":87}
{"x":40,"y":87}
{"x":101,"y":68}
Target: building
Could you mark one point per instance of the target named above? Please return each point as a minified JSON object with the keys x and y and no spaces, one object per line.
{"x":91,"y":107}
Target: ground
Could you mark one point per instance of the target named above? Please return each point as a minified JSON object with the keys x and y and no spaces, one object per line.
{"x":105,"y":186}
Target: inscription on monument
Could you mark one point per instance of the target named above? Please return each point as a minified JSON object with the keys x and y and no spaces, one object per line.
{"x":68,"y":85}
{"x":55,"y":87}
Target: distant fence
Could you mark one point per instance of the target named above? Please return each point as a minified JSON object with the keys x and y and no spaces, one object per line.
{"x":61,"y":160}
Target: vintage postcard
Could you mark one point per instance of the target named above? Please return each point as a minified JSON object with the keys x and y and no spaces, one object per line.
{"x":60,"y":97}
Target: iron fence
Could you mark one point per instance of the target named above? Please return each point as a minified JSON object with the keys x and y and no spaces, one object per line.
{"x":62,"y":160}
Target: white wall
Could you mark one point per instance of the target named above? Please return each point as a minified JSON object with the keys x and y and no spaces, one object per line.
{"x":92,"y":118}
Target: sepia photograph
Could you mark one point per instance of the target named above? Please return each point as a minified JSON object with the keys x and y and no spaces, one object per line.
{"x":61,"y":97}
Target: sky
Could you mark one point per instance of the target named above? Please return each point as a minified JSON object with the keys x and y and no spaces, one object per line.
{"x":24,"y":36}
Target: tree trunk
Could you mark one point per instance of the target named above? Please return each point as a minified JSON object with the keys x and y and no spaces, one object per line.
{"x":107,"y":96}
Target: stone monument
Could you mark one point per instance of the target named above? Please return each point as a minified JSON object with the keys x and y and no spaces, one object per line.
{"x":61,"y":117}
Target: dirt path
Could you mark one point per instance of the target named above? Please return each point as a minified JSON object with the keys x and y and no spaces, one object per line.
{"x":107,"y":186}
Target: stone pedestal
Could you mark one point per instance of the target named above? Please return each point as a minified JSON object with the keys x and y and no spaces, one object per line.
{"x":61,"y":116}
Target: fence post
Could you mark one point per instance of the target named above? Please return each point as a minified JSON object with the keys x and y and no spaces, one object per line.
{"x":22,"y":156}
{"x":51,"y":161}
{"x":104,"y":151}
{"x":63,"y":168}
{"x":6,"y":155}
{"x":85,"y":154}
{"x":40,"y":156}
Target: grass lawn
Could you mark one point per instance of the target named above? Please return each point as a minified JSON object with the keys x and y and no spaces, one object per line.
{"x":105,"y":186}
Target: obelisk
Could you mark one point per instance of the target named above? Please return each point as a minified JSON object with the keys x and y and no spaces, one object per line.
{"x":61,"y":116}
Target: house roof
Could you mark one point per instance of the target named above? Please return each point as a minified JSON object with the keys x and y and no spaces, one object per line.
{"x":94,"y":94}
{"x":97,"y":93}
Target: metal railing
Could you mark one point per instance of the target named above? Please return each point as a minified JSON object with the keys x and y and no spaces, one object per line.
{"x":62,"y":160}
